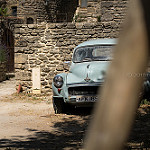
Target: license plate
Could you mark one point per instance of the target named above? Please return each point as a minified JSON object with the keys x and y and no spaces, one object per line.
{"x":86,"y":98}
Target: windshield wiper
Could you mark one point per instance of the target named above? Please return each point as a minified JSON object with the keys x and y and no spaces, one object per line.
{"x":87,"y":59}
{"x":77,"y":61}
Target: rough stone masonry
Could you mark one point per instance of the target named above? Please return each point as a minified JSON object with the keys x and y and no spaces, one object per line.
{"x":49,"y":45}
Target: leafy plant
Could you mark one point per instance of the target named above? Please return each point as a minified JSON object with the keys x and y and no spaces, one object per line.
{"x":76,"y":17}
{"x":4,"y":12}
{"x":98,"y":18}
{"x":145,"y":102}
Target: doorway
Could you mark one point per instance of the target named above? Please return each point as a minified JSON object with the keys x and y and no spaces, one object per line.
{"x":8,"y":42}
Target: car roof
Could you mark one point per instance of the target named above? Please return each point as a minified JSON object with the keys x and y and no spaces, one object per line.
{"x":98,"y":42}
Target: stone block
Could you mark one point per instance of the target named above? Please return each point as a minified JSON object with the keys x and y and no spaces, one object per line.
{"x":71,"y":26}
{"x":20,"y":58}
{"x":41,"y":26}
{"x":18,"y":66}
{"x":46,"y":70}
{"x":44,"y":83}
{"x":23,"y":76}
{"x":21,"y":42}
{"x":19,"y":49}
{"x":36,"y":91}
{"x":38,"y":62}
{"x":60,"y":68}
{"x":42,"y":56}
{"x":32,"y":26}
{"x":107,"y":4}
{"x":107,"y":17}
{"x":60,"y":25}
{"x":17,"y":31}
{"x":51,"y":26}
{"x":79,"y":25}
{"x":71,"y":31}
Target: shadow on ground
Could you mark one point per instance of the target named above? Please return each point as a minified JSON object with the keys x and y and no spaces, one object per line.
{"x":67,"y":133}
{"x":140,"y":134}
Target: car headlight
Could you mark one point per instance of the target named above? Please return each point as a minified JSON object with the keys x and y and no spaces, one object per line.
{"x":58,"y":81}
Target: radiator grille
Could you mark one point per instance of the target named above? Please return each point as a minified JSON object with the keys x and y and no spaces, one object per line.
{"x":83,"y":90}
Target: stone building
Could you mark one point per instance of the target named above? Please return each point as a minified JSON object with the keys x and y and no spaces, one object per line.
{"x":49,"y":31}
{"x":36,"y":11}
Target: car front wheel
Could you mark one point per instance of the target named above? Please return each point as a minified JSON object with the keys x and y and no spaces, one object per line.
{"x":58,"y":105}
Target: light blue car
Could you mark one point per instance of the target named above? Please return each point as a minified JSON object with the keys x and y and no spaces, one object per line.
{"x":87,"y":72}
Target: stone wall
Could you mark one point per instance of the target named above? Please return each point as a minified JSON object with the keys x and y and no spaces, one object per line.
{"x":34,"y":9}
{"x":48,"y":46}
{"x":90,"y":13}
{"x":58,"y":10}
{"x":109,"y":11}
{"x":47,"y":10}
{"x":113,"y":12}
{"x":2,"y":71}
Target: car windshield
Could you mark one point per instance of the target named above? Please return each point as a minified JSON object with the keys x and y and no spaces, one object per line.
{"x":93,"y":53}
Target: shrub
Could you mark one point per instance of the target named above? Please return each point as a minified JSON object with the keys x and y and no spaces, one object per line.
{"x":145,"y":102}
{"x":3,"y":12}
{"x":98,"y":18}
{"x":76,"y":18}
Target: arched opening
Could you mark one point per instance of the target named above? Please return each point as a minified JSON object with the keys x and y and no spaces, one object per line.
{"x":30,"y":20}
{"x":61,"y":10}
{"x":66,"y":10}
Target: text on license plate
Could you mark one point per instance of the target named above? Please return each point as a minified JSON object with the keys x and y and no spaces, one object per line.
{"x":86,"y":98}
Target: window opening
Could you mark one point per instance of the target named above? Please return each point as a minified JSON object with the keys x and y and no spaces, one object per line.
{"x":30,"y":20}
{"x":14,"y":10}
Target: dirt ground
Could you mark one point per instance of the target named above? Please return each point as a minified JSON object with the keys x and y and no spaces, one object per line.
{"x":28,"y":122}
{"x":7,"y":88}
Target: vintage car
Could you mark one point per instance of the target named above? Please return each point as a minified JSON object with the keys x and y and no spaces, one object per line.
{"x":87,"y":73}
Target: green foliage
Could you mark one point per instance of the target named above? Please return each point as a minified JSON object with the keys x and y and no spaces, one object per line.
{"x":79,"y":18}
{"x":3,"y":11}
{"x":145,"y":102}
{"x":76,"y":18}
{"x":98,"y":18}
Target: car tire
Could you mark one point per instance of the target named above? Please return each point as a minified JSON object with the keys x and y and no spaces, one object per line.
{"x":58,"y":105}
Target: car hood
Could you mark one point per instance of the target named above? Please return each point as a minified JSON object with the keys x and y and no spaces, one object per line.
{"x":87,"y":72}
